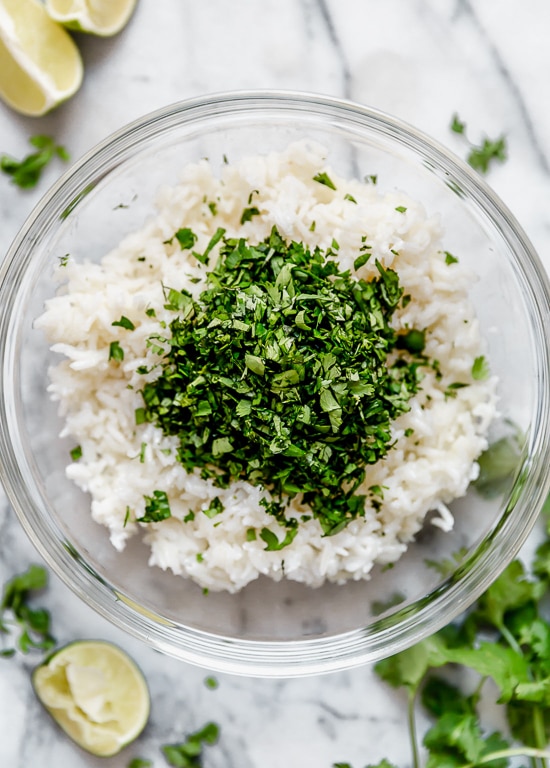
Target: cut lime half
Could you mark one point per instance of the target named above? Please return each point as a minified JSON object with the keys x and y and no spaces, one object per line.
{"x":98,"y":17}
{"x":40,"y":65}
{"x":96,"y":693}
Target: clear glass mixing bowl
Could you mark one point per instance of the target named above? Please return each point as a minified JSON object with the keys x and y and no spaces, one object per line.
{"x":273,"y":629}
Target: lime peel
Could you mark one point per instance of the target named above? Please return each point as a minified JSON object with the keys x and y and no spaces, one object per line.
{"x":96,"y":693}
{"x":96,"y":17}
{"x":40,"y":64}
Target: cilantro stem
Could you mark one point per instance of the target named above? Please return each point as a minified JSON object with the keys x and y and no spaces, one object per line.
{"x":505,"y":753}
{"x":411,"y":720}
{"x":510,"y":639}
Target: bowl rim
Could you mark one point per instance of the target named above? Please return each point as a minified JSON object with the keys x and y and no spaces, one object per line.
{"x":320,"y":654}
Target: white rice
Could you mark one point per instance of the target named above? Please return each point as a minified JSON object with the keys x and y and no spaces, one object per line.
{"x":98,"y":398}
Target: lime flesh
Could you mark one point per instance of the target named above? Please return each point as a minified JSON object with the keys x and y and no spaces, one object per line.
{"x":95,"y":693}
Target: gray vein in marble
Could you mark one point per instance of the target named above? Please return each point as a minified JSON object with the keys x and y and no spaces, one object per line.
{"x":334,"y":38}
{"x":336,"y":713}
{"x":465,"y":7}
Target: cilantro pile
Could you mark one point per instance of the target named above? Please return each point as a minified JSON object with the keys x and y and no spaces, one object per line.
{"x":286,"y":373}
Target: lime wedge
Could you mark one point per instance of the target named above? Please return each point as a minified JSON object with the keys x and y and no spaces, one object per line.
{"x":96,"y":693}
{"x":40,"y":65}
{"x":98,"y":17}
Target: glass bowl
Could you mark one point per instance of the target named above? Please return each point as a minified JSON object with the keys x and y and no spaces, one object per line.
{"x":274,"y":628}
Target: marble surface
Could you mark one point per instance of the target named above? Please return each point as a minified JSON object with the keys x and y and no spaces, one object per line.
{"x":421,"y":60}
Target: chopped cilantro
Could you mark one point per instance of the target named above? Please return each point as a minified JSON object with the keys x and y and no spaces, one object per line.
{"x":325,"y":179}
{"x":186,"y":238}
{"x":230,"y":354}
{"x":157,"y":508}
{"x":211,"y":683}
{"x":480,"y":369}
{"x":272,"y":541}
{"x":27,"y":172}
{"x":188,"y":754}
{"x":76,"y":453}
{"x":301,"y":412}
{"x":449,"y":258}
{"x":140,"y":413}
{"x":457,"y":125}
{"x":401,"y":208}
{"x":116,"y":352}
{"x":64,"y":260}
{"x":351,"y":198}
{"x":142,"y":451}
{"x":124,"y":323}
{"x":481,"y":157}
{"x":214,"y":240}
{"x":214,"y":508}
{"x":452,"y":388}
{"x":249,"y":213}
{"x":413,"y":341}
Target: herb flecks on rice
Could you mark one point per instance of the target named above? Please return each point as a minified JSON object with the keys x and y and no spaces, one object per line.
{"x":280,"y":374}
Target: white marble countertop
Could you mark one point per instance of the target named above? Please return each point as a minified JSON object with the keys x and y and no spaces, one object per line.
{"x":421,"y":60}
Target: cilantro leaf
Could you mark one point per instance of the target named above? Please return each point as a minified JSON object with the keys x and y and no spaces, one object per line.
{"x":76,"y":453}
{"x":188,"y":754}
{"x":449,"y":258}
{"x":512,"y":589}
{"x":33,"y":623}
{"x":186,"y":238}
{"x":324,"y":179}
{"x":157,"y":508}
{"x":505,"y":666}
{"x":124,"y":323}
{"x":481,"y":157}
{"x":497,"y":466}
{"x":480,"y":369}
{"x":214,"y":508}
{"x":249,"y":213}
{"x":272,"y":542}
{"x":116,"y":352}
{"x":26,"y":173}
{"x":457,"y":125}
{"x":409,"y":667}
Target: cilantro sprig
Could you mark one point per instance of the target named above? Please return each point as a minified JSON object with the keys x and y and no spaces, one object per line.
{"x":17,"y":615}
{"x":188,"y":753}
{"x":505,"y":638}
{"x":285,"y":372}
{"x":481,"y":156}
{"x":26,"y":173}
